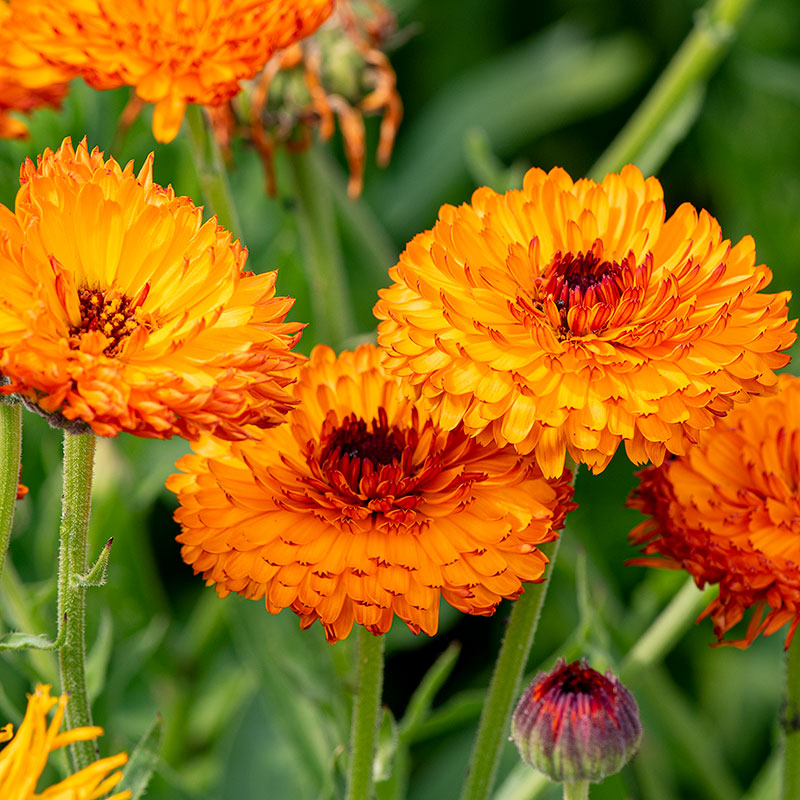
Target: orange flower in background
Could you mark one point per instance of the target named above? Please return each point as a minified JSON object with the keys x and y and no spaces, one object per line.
{"x":23,"y":760}
{"x":27,"y":82}
{"x":361,"y":508}
{"x":173,"y":52}
{"x":123,"y":311}
{"x":728,"y":513}
{"x":572,"y":316}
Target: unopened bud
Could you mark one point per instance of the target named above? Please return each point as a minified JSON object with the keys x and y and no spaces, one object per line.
{"x":575,"y":724}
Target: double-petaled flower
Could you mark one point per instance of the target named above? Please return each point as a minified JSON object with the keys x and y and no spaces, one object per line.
{"x":361,"y":508}
{"x":122,"y":311}
{"x":728,"y":512}
{"x":572,"y":316}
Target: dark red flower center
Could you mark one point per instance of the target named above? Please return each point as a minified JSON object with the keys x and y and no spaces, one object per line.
{"x":575,"y":678}
{"x":379,"y":445}
{"x":111,"y":313}
{"x":584,"y":293}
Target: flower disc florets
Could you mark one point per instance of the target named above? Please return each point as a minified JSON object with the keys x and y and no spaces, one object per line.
{"x":361,"y":508}
{"x":569,"y":317}
{"x":123,"y":311}
{"x":728,"y":512}
{"x":575,"y":724}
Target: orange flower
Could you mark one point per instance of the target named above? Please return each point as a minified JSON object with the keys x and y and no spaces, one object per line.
{"x":122,"y":310}
{"x":173,"y":52}
{"x":571,"y":316}
{"x":24,"y":759}
{"x":361,"y":508}
{"x":26,"y":80}
{"x":729,"y":513}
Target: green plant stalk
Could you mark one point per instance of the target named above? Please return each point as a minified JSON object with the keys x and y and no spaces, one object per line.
{"x":72,"y":563}
{"x":504,"y":686}
{"x":701,"y":51}
{"x":211,"y":172}
{"x":322,"y":261}
{"x":364,"y":729}
{"x":576,"y":791}
{"x":790,"y":723}
{"x":666,"y":629}
{"x":10,"y":452}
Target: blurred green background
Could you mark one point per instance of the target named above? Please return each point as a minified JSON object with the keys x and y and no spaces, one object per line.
{"x":247,"y":699}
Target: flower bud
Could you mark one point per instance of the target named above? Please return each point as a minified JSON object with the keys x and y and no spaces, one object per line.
{"x":574,"y":724}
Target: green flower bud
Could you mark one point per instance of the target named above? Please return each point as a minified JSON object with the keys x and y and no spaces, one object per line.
{"x":574,"y":724}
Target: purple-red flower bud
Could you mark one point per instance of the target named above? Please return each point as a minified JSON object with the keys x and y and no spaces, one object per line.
{"x":574,"y":724}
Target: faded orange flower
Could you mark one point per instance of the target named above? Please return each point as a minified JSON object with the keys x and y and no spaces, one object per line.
{"x":123,"y":311}
{"x":23,"y":760}
{"x":27,"y":81}
{"x":572,"y":316}
{"x":361,"y":508}
{"x":173,"y":52}
{"x":728,"y":512}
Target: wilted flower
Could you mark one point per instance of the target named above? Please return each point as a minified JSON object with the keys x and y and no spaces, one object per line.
{"x":571,"y":317}
{"x":340,"y":72}
{"x":24,"y":758}
{"x":27,"y":81}
{"x":122,"y":311}
{"x":728,"y":512}
{"x":575,"y":724}
{"x":361,"y":509}
{"x":173,"y":52}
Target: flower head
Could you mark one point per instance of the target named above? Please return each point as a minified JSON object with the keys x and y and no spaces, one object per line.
{"x":362,"y":509}
{"x":27,"y":81}
{"x":173,"y":52}
{"x":572,"y":316}
{"x":574,"y":724}
{"x":340,"y":72}
{"x":123,"y":311}
{"x":728,"y":512}
{"x":23,"y":760}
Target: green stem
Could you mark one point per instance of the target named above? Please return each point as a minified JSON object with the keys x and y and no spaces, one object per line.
{"x":790,"y":723}
{"x":72,"y":563}
{"x":211,"y":172}
{"x":364,"y":731}
{"x":327,"y":281}
{"x":504,"y":687}
{"x":701,"y":51}
{"x":10,"y":451}
{"x":576,"y":791}
{"x":666,"y":629}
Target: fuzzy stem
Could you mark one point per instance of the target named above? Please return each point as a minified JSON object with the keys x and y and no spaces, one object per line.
{"x":72,"y":563}
{"x":211,"y":171}
{"x":10,"y":450}
{"x":322,"y":261}
{"x":790,"y":723}
{"x":701,"y":51}
{"x":576,"y":791}
{"x":364,"y":730}
{"x":504,"y":687}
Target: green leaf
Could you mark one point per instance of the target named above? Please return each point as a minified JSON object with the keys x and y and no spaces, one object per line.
{"x":421,"y":701}
{"x":30,"y":641}
{"x":143,"y":761}
{"x":387,"y":746}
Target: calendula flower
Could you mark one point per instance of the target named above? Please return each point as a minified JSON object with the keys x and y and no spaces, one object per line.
{"x":575,"y":724}
{"x":27,"y":81}
{"x":728,"y":512}
{"x":23,"y":759}
{"x":173,"y":52}
{"x":572,"y":316}
{"x":123,"y":311}
{"x":341,"y":72}
{"x":362,"y":509}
